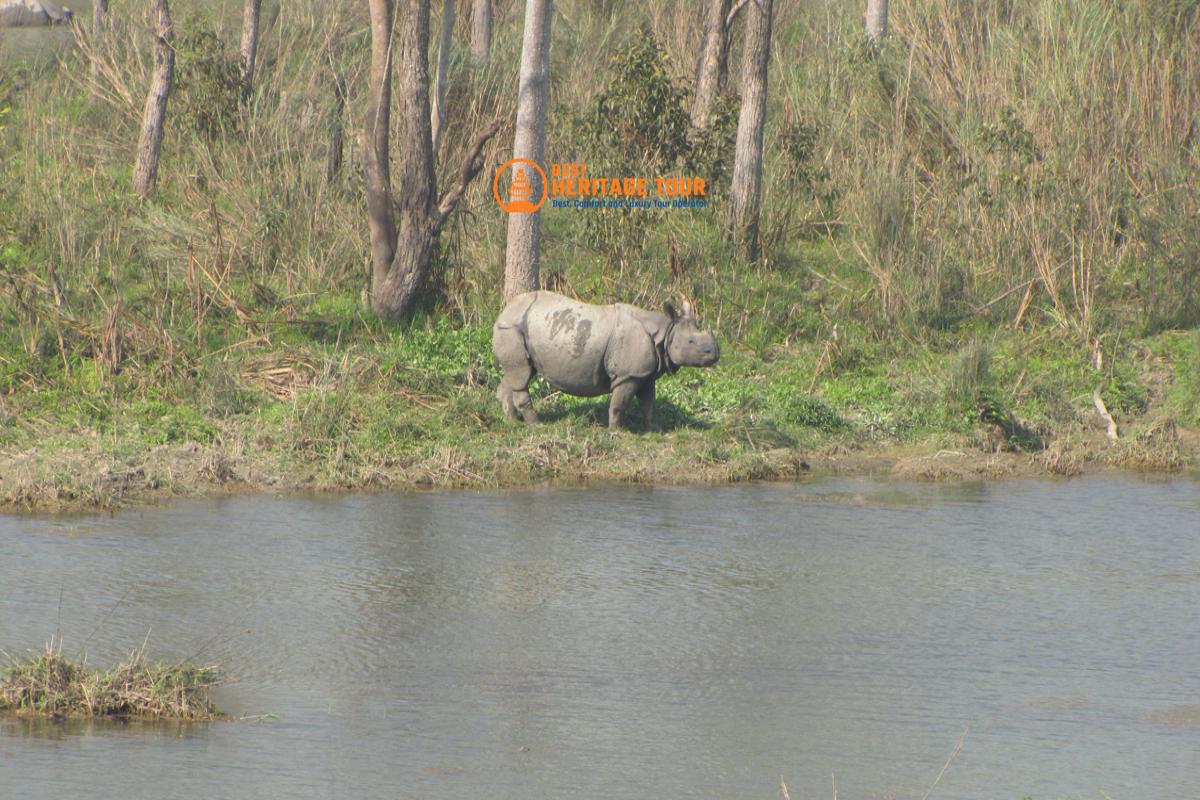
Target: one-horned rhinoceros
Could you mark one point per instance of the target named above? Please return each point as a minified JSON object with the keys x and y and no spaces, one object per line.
{"x":17,"y":13}
{"x":590,"y":350}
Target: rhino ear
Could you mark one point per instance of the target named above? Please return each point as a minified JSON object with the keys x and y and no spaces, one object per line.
{"x":671,"y":312}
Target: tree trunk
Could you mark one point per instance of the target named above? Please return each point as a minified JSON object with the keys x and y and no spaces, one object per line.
{"x":402,"y":250}
{"x":145,"y":170}
{"x":99,"y":15}
{"x":746,"y":191}
{"x":438,"y":119}
{"x":99,"y":28}
{"x":481,"y":32}
{"x":376,"y":166}
{"x":710,"y":69}
{"x":417,"y":200}
{"x":249,"y":42}
{"x":876,"y":20}
{"x":333,"y":163}
{"x":525,"y":229}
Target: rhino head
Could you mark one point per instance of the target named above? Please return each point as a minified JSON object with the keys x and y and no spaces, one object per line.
{"x":687,"y":345}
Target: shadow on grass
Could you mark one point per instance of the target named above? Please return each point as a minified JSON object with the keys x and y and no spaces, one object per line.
{"x":668,"y":415}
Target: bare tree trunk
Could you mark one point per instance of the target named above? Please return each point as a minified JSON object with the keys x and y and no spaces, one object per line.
{"x":533,"y":92}
{"x":250,"y":13}
{"x":99,"y":28}
{"x":402,"y":251}
{"x":99,"y":15}
{"x":333,"y":163}
{"x":481,"y":32}
{"x":416,"y":202}
{"x":710,"y":69}
{"x":376,"y":166}
{"x":145,"y":170}
{"x":438,"y":119}
{"x":746,"y":191}
{"x":876,"y":20}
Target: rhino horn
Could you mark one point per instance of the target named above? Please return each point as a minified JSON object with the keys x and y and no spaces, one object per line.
{"x":688,"y":311}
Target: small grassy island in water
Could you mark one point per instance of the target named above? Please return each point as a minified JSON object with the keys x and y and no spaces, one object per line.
{"x":53,"y":685}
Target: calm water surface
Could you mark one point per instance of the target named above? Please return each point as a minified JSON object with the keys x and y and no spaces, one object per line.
{"x":635,"y":643}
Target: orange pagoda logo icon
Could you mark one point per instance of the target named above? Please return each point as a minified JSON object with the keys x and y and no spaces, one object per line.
{"x":520,"y":188}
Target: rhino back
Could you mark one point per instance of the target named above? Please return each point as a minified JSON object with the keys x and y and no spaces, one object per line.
{"x":18,"y":13}
{"x":567,"y":341}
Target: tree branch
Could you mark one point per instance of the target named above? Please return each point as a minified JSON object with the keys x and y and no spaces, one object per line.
{"x":471,"y":166}
{"x":733,"y":12}
{"x":1102,"y":410}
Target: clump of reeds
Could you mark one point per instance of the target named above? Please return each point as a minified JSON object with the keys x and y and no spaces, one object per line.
{"x":970,"y":372}
{"x":1155,"y":448}
{"x":51,"y":684}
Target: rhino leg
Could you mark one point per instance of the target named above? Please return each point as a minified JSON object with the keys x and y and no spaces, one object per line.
{"x":622,"y":393}
{"x":504,"y":395}
{"x":513,"y":393}
{"x":520,"y":399}
{"x":645,"y":396}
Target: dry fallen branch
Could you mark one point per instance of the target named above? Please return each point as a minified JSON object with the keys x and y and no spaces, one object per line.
{"x":466,"y":173}
{"x":1102,"y":410}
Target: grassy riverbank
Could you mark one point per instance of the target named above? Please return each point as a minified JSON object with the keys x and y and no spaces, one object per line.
{"x":965,"y":244}
{"x":53,"y":685}
{"x":380,"y":408}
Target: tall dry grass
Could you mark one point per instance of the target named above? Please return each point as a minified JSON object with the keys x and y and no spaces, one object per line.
{"x":1016,"y":161}
{"x":998,"y":163}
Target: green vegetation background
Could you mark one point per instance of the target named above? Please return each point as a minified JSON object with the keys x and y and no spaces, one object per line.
{"x":966,"y":234}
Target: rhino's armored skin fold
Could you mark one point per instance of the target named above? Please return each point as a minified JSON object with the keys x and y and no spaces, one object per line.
{"x":589,"y":350}
{"x":21,"y":13}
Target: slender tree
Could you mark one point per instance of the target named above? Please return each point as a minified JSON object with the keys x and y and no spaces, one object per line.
{"x":99,"y":15}
{"x":99,"y":28}
{"x":746,"y":191}
{"x":145,"y":169}
{"x":481,"y":32}
{"x":712,"y":64}
{"x":333,"y":162}
{"x":876,"y":20}
{"x":402,"y":250}
{"x":250,"y":15}
{"x":533,"y":93}
{"x":376,"y":158}
{"x":438,"y":119}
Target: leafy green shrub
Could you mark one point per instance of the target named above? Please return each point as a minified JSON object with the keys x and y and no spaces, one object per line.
{"x":638,"y":126}
{"x":638,"y":119}
{"x":208,"y":80}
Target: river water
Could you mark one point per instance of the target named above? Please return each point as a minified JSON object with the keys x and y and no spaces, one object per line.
{"x":634,"y":642}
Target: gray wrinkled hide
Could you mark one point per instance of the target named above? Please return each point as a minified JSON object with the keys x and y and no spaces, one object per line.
{"x":22,"y":13}
{"x":589,"y":350}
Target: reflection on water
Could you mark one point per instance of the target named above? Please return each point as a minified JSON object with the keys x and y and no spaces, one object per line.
{"x":634,"y":642}
{"x":16,"y":726}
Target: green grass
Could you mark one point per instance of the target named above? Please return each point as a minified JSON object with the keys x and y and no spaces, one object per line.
{"x":966,"y":191}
